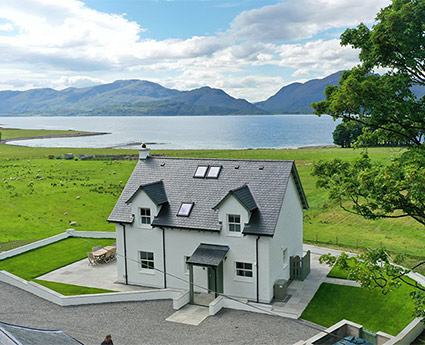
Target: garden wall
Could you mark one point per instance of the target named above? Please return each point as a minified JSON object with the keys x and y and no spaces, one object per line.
{"x":56,"y":238}
{"x":57,"y":298}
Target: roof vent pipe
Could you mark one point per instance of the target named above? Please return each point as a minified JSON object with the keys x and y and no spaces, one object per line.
{"x":143,"y":152}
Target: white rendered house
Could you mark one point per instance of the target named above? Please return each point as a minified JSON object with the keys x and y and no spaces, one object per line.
{"x":226,"y":225}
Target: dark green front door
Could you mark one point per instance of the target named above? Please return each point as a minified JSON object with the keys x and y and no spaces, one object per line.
{"x":211,"y":280}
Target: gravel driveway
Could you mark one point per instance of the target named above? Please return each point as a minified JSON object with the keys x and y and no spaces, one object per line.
{"x":144,"y":322}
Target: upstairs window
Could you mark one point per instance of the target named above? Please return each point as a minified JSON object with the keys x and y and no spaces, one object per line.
{"x":185,"y":209}
{"x":214,"y":171}
{"x":243,"y":269}
{"x":234,"y":223}
{"x":145,"y":215}
{"x":201,"y":171}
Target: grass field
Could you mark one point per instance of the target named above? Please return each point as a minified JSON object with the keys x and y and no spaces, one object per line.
{"x":48,"y":189}
{"x":377,"y":312}
{"x":37,"y":262}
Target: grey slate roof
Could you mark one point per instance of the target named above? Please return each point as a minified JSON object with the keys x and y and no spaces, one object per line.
{"x":208,"y":255}
{"x":154,"y":190}
{"x":267,"y":181}
{"x":17,"y":335}
{"x":245,"y":197}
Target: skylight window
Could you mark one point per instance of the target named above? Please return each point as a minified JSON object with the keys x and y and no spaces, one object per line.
{"x":213,"y":172}
{"x":185,"y":209}
{"x":201,"y":171}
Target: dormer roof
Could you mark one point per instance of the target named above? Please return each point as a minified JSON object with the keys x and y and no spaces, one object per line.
{"x":154,"y":190}
{"x":260,"y":185}
{"x":243,"y":195}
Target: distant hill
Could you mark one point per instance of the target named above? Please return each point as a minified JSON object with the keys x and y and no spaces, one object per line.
{"x":296,"y":98}
{"x":137,"y":93}
{"x":141,"y":97}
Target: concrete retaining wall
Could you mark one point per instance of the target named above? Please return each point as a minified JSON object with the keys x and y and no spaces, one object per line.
{"x":180,"y":301}
{"x":59,"y":299}
{"x":34,"y":245}
{"x":408,"y":334}
{"x":56,"y":238}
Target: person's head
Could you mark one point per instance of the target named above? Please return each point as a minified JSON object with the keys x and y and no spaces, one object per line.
{"x":108,"y":338}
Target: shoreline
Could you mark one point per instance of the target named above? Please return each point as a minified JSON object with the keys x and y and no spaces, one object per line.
{"x":49,"y":136}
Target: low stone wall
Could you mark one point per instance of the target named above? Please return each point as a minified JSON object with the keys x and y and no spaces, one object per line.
{"x":180,"y":301}
{"x":59,"y":299}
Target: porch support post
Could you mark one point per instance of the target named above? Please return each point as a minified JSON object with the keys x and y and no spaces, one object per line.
{"x":191,"y":296}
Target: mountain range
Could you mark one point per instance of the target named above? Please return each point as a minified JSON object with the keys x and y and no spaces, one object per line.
{"x":140,"y":97}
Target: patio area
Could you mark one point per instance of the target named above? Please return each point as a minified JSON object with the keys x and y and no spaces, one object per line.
{"x":103,"y":276}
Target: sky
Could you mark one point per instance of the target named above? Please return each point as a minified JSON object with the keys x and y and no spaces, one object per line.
{"x":248,"y":48}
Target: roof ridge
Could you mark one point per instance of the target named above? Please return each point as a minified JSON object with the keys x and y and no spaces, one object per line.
{"x":224,"y":159}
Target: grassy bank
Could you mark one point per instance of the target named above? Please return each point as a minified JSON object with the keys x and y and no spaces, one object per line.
{"x":372,"y":309}
{"x":63,"y":191}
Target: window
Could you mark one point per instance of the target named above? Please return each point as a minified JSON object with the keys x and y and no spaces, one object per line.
{"x":201,"y":171}
{"x":145,"y":215}
{"x":285,"y":256}
{"x":146,"y":260}
{"x":243,"y":269}
{"x":213,"y":172}
{"x":186,"y":266}
{"x":185,"y":209}
{"x":234,"y":223}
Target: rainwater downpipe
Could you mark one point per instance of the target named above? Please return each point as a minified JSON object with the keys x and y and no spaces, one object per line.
{"x":163,"y":257}
{"x":125,"y":254}
{"x":257,"y":269}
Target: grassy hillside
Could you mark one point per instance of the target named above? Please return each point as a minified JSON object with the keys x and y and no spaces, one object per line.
{"x":48,"y":189}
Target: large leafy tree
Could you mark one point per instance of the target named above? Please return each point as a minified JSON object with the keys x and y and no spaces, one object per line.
{"x":385,"y":102}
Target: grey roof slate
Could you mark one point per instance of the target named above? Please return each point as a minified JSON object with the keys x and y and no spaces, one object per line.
{"x":154,"y":190}
{"x":208,"y":255}
{"x":245,"y":197}
{"x":18,"y":335}
{"x":267,"y":181}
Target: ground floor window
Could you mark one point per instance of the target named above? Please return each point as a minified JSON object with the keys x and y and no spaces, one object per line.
{"x":147,"y":260}
{"x":243,"y":269}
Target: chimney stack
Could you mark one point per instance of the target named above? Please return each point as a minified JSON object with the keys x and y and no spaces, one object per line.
{"x":143,"y":152}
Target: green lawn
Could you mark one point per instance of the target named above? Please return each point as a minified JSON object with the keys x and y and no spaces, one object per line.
{"x":37,"y":262}
{"x":69,"y":289}
{"x":373,"y":310}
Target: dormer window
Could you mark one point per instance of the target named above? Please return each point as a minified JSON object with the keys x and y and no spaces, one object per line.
{"x":201,"y":171}
{"x":185,"y":209}
{"x":214,"y":171}
{"x":234,"y":223}
{"x":145,"y":215}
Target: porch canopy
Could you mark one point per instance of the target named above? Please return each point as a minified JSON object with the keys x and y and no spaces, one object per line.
{"x":208,"y":255}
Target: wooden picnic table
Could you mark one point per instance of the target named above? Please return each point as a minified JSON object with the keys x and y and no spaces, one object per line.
{"x":101,"y":255}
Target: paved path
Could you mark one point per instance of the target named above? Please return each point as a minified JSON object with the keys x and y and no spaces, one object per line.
{"x":302,"y":292}
{"x":103,"y":276}
{"x":190,"y":315}
{"x":138,"y":323}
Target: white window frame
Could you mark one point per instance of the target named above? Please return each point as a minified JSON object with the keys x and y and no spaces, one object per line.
{"x":285,"y":258}
{"x":186,"y":266}
{"x":245,"y":278}
{"x":147,"y":261}
{"x":229,"y":224}
{"x":144,"y":216}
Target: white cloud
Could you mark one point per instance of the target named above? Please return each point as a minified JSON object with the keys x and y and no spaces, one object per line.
{"x":295,"y":20}
{"x":65,"y":43}
{"x":6,"y":27}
